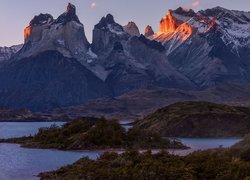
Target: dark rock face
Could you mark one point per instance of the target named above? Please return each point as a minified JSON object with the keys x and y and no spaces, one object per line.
{"x":109,"y":19}
{"x":184,"y":12}
{"x":48,"y":81}
{"x":118,"y":47}
{"x":41,"y":19}
{"x":145,"y":65}
{"x":124,"y":76}
{"x":151,"y":43}
{"x":106,"y":33}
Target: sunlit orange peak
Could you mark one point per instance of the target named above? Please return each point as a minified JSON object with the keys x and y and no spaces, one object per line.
{"x":27,"y":32}
{"x":185,"y":31}
{"x":168,"y":24}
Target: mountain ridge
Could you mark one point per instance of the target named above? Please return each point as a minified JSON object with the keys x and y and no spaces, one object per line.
{"x":190,"y":52}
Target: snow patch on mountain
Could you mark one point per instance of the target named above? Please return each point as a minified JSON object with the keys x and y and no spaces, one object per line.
{"x":7,"y":52}
{"x":115,"y":29}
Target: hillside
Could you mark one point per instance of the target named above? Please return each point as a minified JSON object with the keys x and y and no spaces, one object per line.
{"x":139,"y":103}
{"x":198,"y":119}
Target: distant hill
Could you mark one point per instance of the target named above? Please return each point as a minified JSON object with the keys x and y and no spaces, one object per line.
{"x":198,"y":119}
{"x":139,"y":103}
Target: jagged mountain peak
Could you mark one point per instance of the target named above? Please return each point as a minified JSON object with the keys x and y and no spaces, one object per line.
{"x":132,"y":29}
{"x":169,"y":23}
{"x":65,"y":34}
{"x":215,"y":11}
{"x":185,"y":12}
{"x":71,"y":9}
{"x":148,"y":31}
{"x":110,"y":18}
{"x":105,"y":21}
{"x":69,"y":15}
{"x":106,"y":33}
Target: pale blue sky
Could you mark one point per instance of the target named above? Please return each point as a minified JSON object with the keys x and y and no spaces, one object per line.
{"x":16,"y":14}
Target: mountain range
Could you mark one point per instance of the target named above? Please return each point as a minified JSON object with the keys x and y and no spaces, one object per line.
{"x":57,"y":67}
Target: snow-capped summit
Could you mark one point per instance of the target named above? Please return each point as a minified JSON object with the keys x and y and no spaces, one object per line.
{"x":132,"y":29}
{"x":233,"y":25}
{"x":210,"y":46}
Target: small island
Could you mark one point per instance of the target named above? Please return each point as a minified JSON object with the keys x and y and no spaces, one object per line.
{"x":94,"y":133}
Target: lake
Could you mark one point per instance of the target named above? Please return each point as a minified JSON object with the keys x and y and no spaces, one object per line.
{"x":19,"y":129}
{"x":24,"y":164}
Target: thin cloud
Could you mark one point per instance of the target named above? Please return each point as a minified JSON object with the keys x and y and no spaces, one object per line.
{"x":196,"y":3}
{"x":93,"y":5}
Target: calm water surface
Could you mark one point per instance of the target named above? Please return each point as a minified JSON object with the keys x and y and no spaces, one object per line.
{"x":18,"y":163}
{"x":19,"y":129}
{"x":196,"y":144}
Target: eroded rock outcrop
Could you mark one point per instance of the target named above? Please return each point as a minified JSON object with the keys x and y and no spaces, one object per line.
{"x":64,"y":34}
